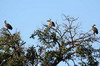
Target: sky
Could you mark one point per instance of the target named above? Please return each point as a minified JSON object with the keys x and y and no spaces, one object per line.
{"x":28,"y":15}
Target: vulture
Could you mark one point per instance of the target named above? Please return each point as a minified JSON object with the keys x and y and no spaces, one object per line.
{"x":8,"y":25}
{"x":95,"y":30}
{"x":51,"y":23}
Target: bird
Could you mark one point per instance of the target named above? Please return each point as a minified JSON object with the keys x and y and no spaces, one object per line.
{"x":8,"y":25}
{"x":51,"y":23}
{"x":95,"y":30}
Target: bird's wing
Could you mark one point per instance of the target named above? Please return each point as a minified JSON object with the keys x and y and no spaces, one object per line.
{"x":96,"y":30}
{"x":9,"y":26}
{"x":53,"y":23}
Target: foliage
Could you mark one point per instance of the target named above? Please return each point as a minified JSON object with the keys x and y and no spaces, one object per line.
{"x":11,"y":50}
{"x":64,"y":42}
{"x":31,"y":56}
{"x":67,"y":43}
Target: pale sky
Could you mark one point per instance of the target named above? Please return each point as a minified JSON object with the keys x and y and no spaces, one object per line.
{"x":28,"y":15}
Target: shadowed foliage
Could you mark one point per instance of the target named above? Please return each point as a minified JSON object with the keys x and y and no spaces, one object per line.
{"x":62,"y":43}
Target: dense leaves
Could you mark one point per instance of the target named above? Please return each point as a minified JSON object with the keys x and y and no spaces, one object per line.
{"x":66,"y":42}
{"x":11,"y":50}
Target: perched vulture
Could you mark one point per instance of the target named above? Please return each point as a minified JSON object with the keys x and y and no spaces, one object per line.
{"x":51,"y":23}
{"x":8,"y":25}
{"x":95,"y":30}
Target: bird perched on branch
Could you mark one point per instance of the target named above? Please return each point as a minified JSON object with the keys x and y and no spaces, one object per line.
{"x":51,"y":23}
{"x":8,"y":25}
{"x":95,"y":30}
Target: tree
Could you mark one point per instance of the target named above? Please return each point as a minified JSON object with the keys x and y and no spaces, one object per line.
{"x":31,"y":56}
{"x":66,"y":43}
{"x":11,"y":50}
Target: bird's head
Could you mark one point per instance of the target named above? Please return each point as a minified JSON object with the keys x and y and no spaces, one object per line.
{"x":94,"y":25}
{"x":49,"y":20}
{"x":5,"y":22}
